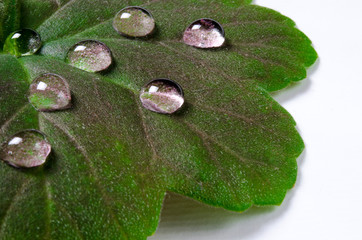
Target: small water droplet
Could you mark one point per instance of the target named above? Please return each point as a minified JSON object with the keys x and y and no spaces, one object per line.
{"x":134,"y":22}
{"x":26,"y":149}
{"x":50,"y":92}
{"x":90,"y":56}
{"x":162,"y":96}
{"x":22,"y":43}
{"x":204,"y":33}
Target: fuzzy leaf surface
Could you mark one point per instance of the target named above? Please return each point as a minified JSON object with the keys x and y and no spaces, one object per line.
{"x":112,"y":161}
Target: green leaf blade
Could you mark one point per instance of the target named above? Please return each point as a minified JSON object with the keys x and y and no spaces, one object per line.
{"x":106,"y":153}
{"x":9,"y":18}
{"x":231,"y":145}
{"x":13,"y":82}
{"x":265,"y":46}
{"x":35,"y":12}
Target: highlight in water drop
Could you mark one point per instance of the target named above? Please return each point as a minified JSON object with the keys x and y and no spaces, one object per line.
{"x":26,"y":149}
{"x":50,"y":92}
{"x":204,"y":33}
{"x":134,"y":22}
{"x":90,"y":56}
{"x":162,"y":96}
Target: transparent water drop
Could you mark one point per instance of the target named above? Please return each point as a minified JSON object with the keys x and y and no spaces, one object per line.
{"x":26,"y":149}
{"x":134,"y":22}
{"x":22,"y":43}
{"x":204,"y":33}
{"x":162,"y":96}
{"x":49,"y":92}
{"x":90,"y":56}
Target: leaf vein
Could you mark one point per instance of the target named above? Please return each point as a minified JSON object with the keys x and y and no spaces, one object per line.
{"x":11,"y":205}
{"x":212,"y":157}
{"x":48,"y":199}
{"x":204,"y":64}
{"x":149,"y":140}
{"x":6,"y":124}
{"x":236,"y":23}
{"x":251,"y":55}
{"x":106,"y":198}
{"x":241,"y":117}
{"x":72,"y":220}
{"x":205,"y":136}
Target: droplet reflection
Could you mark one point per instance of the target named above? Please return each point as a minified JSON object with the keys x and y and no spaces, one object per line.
{"x":204,"y":33}
{"x":162,"y":96}
{"x":90,"y":56}
{"x":49,"y":92}
{"x":26,"y":149}
{"x":134,"y":22}
{"x":22,"y":43}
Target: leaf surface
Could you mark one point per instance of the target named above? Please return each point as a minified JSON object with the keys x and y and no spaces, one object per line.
{"x":112,"y":161}
{"x":9,"y":17}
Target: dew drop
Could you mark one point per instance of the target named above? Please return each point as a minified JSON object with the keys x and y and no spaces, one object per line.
{"x":26,"y":149}
{"x":22,"y":43}
{"x":90,"y":56}
{"x":204,"y":33}
{"x":162,"y":96}
{"x":49,"y":92}
{"x":134,"y":22}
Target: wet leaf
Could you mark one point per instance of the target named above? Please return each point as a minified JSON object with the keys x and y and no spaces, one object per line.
{"x":231,"y":145}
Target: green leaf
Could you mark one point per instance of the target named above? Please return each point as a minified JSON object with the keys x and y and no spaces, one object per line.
{"x":9,"y":18}
{"x":34,"y":12}
{"x":112,"y":161}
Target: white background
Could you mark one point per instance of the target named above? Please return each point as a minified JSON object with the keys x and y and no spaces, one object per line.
{"x":326,"y":202}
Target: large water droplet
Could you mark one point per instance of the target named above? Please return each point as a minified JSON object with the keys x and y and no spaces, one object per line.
{"x":204,"y":33}
{"x":134,"y":22}
{"x":90,"y":56}
{"x":49,"y":92}
{"x":27,"y":149}
{"x":22,"y":43}
{"x":162,"y":96}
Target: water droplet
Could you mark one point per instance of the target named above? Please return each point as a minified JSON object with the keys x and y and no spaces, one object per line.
{"x":162,"y":96}
{"x":90,"y":56}
{"x":204,"y":33}
{"x":134,"y":22}
{"x":22,"y":43}
{"x":27,"y":149}
{"x":50,"y":92}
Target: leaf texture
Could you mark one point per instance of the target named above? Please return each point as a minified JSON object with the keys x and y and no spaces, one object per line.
{"x":112,"y":161}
